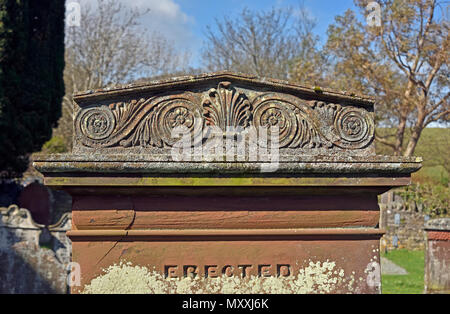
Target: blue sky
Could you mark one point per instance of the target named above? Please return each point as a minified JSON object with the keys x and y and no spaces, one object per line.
{"x":204,"y":12}
{"x":185,"y":21}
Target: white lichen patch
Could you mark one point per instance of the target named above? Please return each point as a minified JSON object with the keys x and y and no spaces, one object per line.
{"x":373,"y":273}
{"x":317,"y":277}
{"x":126,"y":278}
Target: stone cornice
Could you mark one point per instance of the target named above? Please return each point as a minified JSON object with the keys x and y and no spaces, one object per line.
{"x":181,"y":82}
{"x":159,"y":164}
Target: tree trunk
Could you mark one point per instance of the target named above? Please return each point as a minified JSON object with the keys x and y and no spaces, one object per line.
{"x":399,"y":136}
{"x":417,"y":130}
{"x":415,"y":135}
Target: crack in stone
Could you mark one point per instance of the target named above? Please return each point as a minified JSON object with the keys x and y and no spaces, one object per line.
{"x":114,"y":245}
{"x":121,"y":238}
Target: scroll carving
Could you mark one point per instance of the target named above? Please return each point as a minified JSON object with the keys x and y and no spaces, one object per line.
{"x":148,"y":122}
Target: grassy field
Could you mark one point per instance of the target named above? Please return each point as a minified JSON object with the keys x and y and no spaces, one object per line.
{"x":433,"y":147}
{"x":413,"y":283}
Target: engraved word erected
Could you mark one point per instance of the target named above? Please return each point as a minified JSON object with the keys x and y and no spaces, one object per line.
{"x":229,"y":270}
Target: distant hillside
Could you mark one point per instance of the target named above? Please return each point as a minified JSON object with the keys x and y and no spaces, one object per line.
{"x":433,"y":147}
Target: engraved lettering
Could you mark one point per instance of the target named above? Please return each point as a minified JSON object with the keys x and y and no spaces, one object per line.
{"x":227,"y":270}
{"x":211,"y":271}
{"x":264,"y":270}
{"x":171,"y":271}
{"x":283,"y":270}
{"x":190,"y":271}
{"x":245,"y":270}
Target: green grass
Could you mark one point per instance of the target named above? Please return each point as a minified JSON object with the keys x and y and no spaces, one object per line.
{"x":433,"y":146}
{"x":413,"y":283}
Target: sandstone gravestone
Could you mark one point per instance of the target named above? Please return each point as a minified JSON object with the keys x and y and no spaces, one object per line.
{"x":225,"y":182}
{"x":437,"y":256}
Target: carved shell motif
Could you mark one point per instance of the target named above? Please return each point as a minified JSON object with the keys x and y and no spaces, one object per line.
{"x":149,"y":122}
{"x":225,"y":107}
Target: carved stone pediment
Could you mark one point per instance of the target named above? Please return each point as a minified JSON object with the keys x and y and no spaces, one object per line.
{"x":141,"y":118}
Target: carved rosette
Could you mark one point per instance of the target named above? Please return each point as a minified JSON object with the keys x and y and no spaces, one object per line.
{"x":149,"y":122}
{"x":272,"y":113}
{"x":95,"y":123}
{"x":178,"y":113}
{"x":355,"y":127}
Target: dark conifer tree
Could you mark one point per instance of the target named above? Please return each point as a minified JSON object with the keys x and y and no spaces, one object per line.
{"x":31,"y":78}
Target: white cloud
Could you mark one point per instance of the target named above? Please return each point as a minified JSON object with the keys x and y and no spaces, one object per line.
{"x":165,"y":17}
{"x":161,"y":8}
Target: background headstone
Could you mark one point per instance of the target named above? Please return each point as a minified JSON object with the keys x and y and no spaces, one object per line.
{"x":36,"y":198}
{"x":33,"y":257}
{"x":437,"y":256}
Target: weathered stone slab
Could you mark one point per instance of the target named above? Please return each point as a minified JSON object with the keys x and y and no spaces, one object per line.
{"x":307,"y":218}
{"x":33,"y":257}
{"x":437,"y":256}
{"x":213,"y":256}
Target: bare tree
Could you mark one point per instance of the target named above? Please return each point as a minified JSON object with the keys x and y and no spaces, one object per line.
{"x":111,"y":47}
{"x":261,"y":43}
{"x":310,"y":65}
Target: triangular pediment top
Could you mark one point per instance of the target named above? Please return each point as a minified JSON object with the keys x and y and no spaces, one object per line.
{"x":239,"y":107}
{"x":190,"y":81}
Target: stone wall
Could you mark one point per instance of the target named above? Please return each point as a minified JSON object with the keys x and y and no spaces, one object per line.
{"x":404,"y":223}
{"x":33,"y":257}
